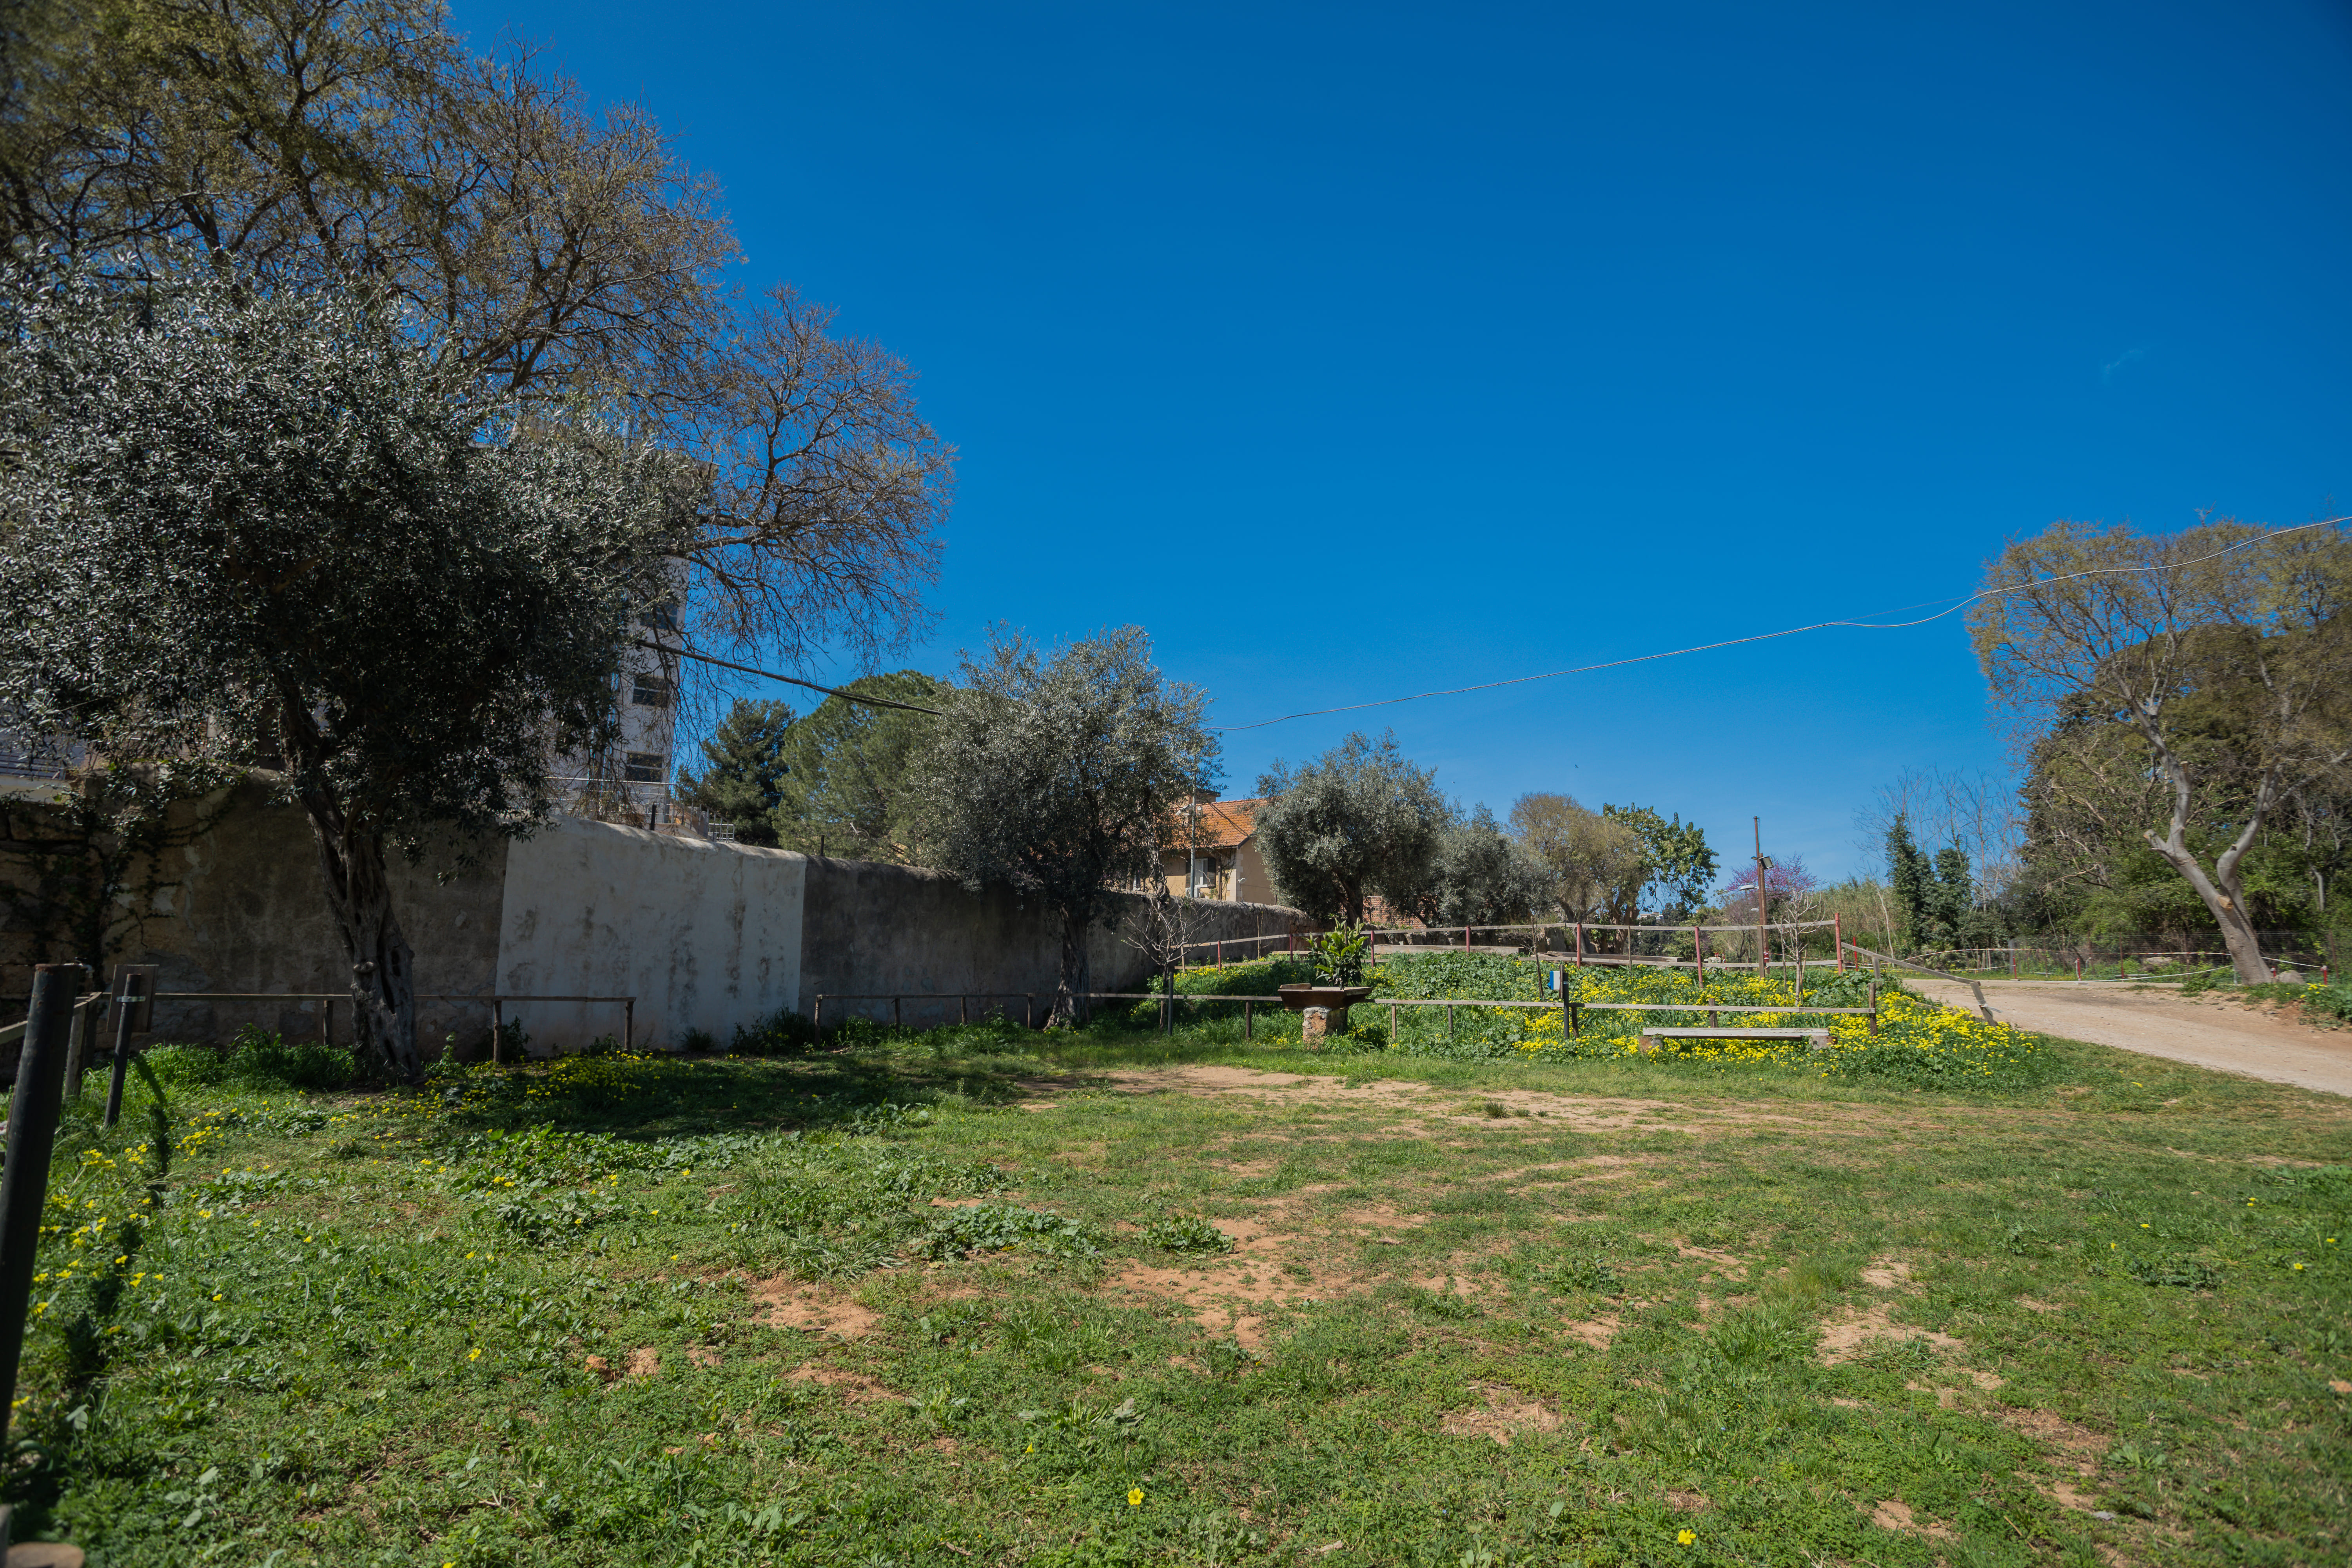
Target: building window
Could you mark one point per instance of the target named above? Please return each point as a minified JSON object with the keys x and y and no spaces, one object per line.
{"x":650,"y":691}
{"x":660,"y":615}
{"x":642,"y":767}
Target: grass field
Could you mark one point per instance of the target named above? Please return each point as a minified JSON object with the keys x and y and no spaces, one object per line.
{"x":986,"y":1297}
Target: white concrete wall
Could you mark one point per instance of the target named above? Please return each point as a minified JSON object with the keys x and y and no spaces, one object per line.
{"x":703,"y":935}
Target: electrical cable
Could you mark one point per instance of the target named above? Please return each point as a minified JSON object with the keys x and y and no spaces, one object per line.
{"x":1768,"y":637}
{"x":789,"y":680}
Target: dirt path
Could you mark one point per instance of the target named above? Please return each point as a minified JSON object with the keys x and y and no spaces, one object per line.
{"x":2214,"y":1034}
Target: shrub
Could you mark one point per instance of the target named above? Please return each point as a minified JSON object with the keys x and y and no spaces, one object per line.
{"x":2327,"y":1004}
{"x":259,"y":1059}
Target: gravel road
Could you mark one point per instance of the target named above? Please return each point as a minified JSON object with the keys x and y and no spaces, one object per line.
{"x":2211,"y":1033}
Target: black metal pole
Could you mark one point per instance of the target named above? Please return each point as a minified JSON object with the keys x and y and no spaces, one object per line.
{"x":126,"y":1010}
{"x":25,"y":1185}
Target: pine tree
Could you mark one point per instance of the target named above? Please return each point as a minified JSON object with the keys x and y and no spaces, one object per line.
{"x":1954,"y":895}
{"x":1910,"y":876}
{"x":745,"y":780}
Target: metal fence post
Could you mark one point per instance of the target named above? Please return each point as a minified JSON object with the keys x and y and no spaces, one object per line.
{"x":135,"y":994}
{"x":629,"y":1024}
{"x":25,"y":1187}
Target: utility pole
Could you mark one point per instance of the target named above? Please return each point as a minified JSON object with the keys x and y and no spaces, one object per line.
{"x":1763,"y":952}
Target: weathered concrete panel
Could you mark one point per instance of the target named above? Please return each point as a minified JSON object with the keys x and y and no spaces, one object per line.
{"x":705,"y":936}
{"x":873,"y":930}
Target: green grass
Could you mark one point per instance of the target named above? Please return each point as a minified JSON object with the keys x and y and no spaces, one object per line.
{"x":952,"y":1298}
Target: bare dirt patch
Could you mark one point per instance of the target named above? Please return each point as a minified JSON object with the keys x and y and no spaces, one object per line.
{"x":1594,"y":1332}
{"x":2058,"y":1492}
{"x":2030,"y":1305}
{"x":2065,"y":1442}
{"x":1228,"y":1295}
{"x":644,"y":1361}
{"x":853,"y":1387}
{"x":1895,"y":1514}
{"x":1732,"y":1268}
{"x":815,"y":1309}
{"x":1850,"y":1334}
{"x":1379,"y":1217}
{"x":1887,"y":1274}
{"x":1505,"y":1412}
{"x":1687,"y":1501}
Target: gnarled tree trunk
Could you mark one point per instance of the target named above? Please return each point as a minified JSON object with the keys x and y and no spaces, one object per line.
{"x":359,"y":894}
{"x":2223,"y":894}
{"x":1072,"y":1005}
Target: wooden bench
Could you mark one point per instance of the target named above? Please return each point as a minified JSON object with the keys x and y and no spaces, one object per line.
{"x":1819,"y":1038}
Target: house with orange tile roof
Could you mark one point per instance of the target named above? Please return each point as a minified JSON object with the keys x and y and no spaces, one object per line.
{"x":1215,"y":853}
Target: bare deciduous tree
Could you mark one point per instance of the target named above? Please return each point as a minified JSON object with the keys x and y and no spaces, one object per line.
{"x":2187,"y":686}
{"x":1980,"y":812}
{"x":567,"y":257}
{"x":1595,"y":861}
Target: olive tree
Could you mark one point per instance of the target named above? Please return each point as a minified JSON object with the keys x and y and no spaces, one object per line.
{"x":1358,"y":820}
{"x":1477,"y":874}
{"x":2185,"y":689}
{"x":261,"y":528}
{"x":1057,"y":775}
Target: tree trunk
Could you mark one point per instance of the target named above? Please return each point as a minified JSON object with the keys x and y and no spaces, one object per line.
{"x":2224,"y":899}
{"x":359,"y":894}
{"x":1072,"y":1006}
{"x":2223,"y":893}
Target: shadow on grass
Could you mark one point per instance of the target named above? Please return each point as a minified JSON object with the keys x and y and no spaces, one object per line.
{"x":653,"y":1097}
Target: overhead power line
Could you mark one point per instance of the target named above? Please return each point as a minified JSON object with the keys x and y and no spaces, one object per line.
{"x":1768,"y":637}
{"x":790,"y":680}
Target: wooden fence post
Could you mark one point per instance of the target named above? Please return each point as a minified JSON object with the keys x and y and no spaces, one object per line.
{"x":1837,"y":930}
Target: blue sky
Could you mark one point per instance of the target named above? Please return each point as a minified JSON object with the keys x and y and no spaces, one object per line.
{"x":1358,"y":351}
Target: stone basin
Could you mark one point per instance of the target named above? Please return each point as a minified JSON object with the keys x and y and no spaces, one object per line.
{"x":1339,"y":998}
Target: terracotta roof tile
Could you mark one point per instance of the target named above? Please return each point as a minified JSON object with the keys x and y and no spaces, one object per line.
{"x":1220,"y":824}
